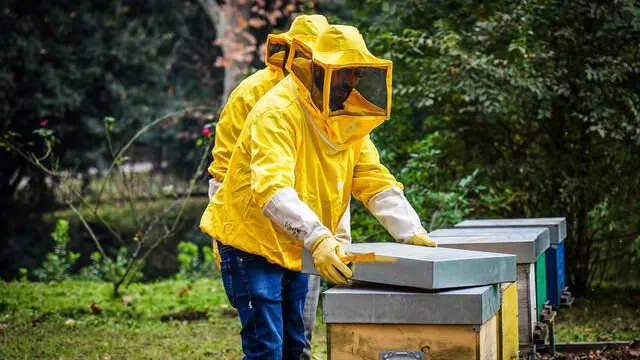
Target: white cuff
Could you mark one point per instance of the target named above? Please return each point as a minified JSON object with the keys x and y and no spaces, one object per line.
{"x":294,"y":216}
{"x":213,"y":187}
{"x":396,"y":214}
{"x":343,"y":230}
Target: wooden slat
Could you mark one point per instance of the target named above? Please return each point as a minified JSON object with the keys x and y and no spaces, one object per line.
{"x":507,"y":324}
{"x":526,"y":303}
{"x":443,"y":342}
{"x":541,"y":284}
{"x":489,"y":340}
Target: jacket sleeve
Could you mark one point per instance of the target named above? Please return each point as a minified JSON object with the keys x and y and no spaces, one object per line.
{"x":228,"y":130}
{"x":370,"y":177}
{"x":273,"y":159}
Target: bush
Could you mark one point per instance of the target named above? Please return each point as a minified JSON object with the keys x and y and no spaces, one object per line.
{"x":192,"y":266}
{"x":58,"y":264}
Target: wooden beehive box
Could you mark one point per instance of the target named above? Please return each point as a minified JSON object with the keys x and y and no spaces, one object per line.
{"x":555,"y":272}
{"x":371,"y":323}
{"x":529,"y":245}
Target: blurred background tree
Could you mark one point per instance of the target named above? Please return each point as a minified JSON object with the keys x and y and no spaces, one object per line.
{"x":501,"y":109}
{"x":519,"y":109}
{"x":67,"y":65}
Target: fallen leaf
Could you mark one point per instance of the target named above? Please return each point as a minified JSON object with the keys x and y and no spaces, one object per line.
{"x":106,"y":357}
{"x":185,"y":290}
{"x":95,"y":308}
{"x":126,"y":300}
{"x":70,"y":322}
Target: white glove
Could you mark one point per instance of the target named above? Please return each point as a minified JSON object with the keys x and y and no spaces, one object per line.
{"x":287,"y":210}
{"x":396,"y":214}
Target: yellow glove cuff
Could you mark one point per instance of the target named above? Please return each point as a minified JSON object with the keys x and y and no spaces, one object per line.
{"x":423,"y":239}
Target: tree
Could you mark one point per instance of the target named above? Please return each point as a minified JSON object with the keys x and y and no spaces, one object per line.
{"x":242,"y":27}
{"x":70,"y":64}
{"x":541,"y":96}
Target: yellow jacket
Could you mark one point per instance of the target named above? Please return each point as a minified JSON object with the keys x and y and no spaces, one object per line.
{"x":279,"y":148}
{"x":232,"y":118}
{"x":250,"y":90}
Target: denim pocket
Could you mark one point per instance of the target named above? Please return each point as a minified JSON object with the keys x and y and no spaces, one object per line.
{"x":227,"y":280}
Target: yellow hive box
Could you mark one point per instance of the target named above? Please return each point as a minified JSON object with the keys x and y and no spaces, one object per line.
{"x":507,"y":323}
{"x":385,"y":322}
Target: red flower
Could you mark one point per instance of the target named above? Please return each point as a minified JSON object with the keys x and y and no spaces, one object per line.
{"x":44,"y":122}
{"x":206,"y":131}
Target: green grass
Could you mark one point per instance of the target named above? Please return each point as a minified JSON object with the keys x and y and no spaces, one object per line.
{"x":33,"y":319}
{"x":609,"y":313}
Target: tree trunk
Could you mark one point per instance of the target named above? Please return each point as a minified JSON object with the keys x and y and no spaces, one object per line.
{"x":230,"y":21}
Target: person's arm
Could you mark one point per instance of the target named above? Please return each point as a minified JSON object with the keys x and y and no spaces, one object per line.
{"x":274,"y":146}
{"x":383,"y":196}
{"x":228,"y":130}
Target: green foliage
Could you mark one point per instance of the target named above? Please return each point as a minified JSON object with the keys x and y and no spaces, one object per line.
{"x":192,"y":265}
{"x":57,"y":266}
{"x":108,"y":269}
{"x":129,"y":327}
{"x":608,"y":313}
{"x":541,"y":96}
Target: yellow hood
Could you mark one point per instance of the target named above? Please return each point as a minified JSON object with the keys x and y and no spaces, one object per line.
{"x":337,"y":48}
{"x":278,"y":44}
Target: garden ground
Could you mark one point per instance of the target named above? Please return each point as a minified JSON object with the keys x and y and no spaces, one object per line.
{"x":181,"y":320}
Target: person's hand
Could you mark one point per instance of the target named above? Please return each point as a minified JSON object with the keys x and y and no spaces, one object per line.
{"x":423,"y":239}
{"x":326,"y":252}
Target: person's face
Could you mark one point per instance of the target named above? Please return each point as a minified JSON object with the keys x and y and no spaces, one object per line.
{"x":342,"y":83}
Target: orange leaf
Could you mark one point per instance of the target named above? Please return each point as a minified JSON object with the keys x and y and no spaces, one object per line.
{"x":241,"y":23}
{"x":185,"y":290}
{"x":256,"y":23}
{"x":95,"y":308}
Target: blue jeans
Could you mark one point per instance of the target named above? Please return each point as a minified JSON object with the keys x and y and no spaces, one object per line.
{"x":269,"y":299}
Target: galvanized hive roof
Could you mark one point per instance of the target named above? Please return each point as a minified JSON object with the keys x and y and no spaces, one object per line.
{"x":526,"y":243}
{"x":425,"y":267}
{"x":386,"y":305}
{"x":557,"y":225}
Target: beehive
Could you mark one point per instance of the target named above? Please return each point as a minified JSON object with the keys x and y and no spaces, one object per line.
{"x":529,"y":245}
{"x":555,"y":271}
{"x":374,"y":322}
{"x":507,"y":323}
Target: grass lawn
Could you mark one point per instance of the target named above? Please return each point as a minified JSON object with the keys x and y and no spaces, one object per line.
{"x":56,"y":321}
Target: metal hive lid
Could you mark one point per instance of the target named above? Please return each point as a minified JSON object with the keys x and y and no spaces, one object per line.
{"x":386,"y":305}
{"x":557,"y":225}
{"x":426,"y":268}
{"x":526,"y":243}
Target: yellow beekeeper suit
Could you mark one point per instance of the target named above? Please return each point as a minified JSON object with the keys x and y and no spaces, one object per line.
{"x":247,"y":94}
{"x":249,"y":91}
{"x":300,"y":157}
